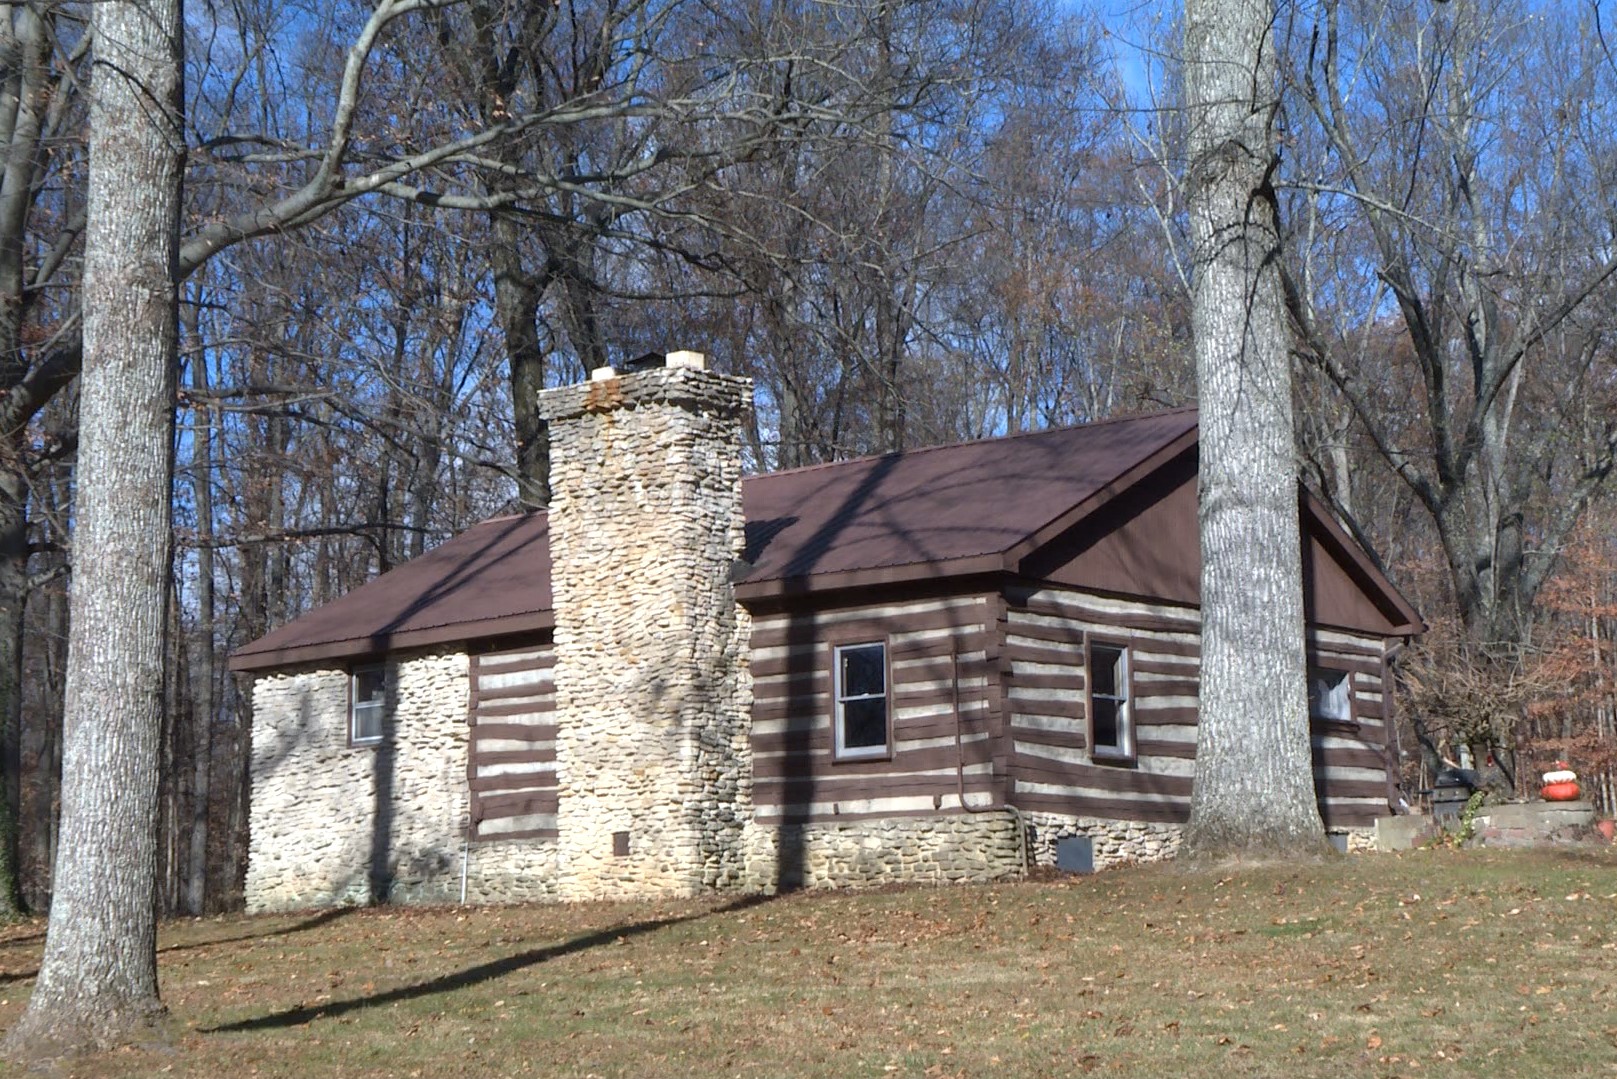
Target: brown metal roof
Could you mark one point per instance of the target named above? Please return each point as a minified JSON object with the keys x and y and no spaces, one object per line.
{"x":972,"y":507}
{"x":954,"y":509}
{"x":492,"y":579}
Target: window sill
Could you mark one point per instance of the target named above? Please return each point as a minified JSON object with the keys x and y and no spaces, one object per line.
{"x":1113,"y":759}
{"x":1334,"y":726}
{"x":857,"y":757}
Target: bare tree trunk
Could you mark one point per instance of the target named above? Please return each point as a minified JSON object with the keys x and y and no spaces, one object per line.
{"x":13,"y":599}
{"x":25,"y":49}
{"x":196,"y":892}
{"x":97,"y":982}
{"x":516,"y":306}
{"x":1254,"y":788}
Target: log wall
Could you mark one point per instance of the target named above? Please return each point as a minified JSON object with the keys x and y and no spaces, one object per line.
{"x":511,"y":765}
{"x":796,"y":777}
{"x":1043,"y":634}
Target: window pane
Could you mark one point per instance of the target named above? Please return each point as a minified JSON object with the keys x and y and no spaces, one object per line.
{"x":1108,"y":734}
{"x":370,"y":685}
{"x":1104,"y":664}
{"x":864,"y":723}
{"x":864,"y":671}
{"x":367,"y":721}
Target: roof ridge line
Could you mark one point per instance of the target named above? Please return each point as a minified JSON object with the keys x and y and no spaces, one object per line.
{"x":1130,"y":417}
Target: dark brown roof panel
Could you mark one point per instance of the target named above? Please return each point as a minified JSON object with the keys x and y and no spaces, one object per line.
{"x":493,"y":578}
{"x":942,"y":505}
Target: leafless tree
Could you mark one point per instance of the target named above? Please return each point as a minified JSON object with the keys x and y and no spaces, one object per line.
{"x":97,"y":981}
{"x":1254,"y":786}
{"x":1452,"y":270}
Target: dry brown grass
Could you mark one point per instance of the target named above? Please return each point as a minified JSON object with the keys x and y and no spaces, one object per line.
{"x":1425,"y":964}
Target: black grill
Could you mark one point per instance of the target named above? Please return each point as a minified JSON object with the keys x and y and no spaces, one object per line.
{"x":1451,"y":790}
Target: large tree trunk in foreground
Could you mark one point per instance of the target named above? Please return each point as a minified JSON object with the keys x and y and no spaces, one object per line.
{"x":1254,"y":787}
{"x":97,"y":982}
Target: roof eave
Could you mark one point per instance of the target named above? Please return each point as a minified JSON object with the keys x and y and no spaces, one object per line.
{"x":775,"y":588}
{"x":1391,"y":600}
{"x":382,"y":643}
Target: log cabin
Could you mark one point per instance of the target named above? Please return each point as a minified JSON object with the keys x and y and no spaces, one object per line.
{"x":953,"y":663}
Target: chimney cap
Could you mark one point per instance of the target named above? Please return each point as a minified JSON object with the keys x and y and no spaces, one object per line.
{"x":653,"y":360}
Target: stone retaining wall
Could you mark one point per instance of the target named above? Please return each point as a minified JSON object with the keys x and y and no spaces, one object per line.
{"x":1534,"y":824}
{"x":896,"y":850}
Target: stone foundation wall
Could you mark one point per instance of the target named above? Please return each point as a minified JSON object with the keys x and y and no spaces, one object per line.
{"x":332,"y":823}
{"x":1359,"y":840}
{"x":1120,"y":842}
{"x":896,"y":850}
{"x":1117,"y":842}
{"x":510,"y":871}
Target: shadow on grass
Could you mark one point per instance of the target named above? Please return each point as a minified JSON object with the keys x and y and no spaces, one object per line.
{"x":483,"y":972}
{"x":325,"y":917}
{"x":315,"y":921}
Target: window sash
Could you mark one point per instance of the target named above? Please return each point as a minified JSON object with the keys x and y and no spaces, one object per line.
{"x":367,"y":705}
{"x":1112,"y":659}
{"x":859,"y":714}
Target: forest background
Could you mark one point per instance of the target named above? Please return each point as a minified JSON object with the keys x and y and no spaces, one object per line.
{"x":909,"y":221}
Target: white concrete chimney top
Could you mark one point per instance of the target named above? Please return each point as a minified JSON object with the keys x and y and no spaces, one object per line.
{"x":692,"y":360}
{"x":602,"y":374}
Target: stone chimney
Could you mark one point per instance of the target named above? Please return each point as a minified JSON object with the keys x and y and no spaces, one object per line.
{"x":653,"y":759}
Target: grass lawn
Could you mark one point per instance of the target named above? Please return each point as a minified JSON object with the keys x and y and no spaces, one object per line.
{"x":1431,"y":963}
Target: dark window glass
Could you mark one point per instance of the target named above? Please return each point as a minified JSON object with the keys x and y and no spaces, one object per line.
{"x":864,"y":723}
{"x":1105,"y":724}
{"x":864,"y":670}
{"x":1103,"y":669}
{"x":370,"y":685}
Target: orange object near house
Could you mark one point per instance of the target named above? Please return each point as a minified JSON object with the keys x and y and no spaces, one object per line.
{"x":1565,"y":791}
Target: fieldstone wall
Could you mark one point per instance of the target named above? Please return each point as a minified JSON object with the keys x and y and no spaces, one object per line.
{"x":332,"y":823}
{"x":510,"y":871}
{"x":897,"y":850}
{"x":1116,"y":842}
{"x":1120,"y":842}
{"x":1358,"y":840}
{"x":653,"y":693}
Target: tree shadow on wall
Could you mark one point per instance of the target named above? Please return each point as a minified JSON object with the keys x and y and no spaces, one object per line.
{"x":381,"y":860}
{"x":803,"y":753}
{"x":483,"y":972}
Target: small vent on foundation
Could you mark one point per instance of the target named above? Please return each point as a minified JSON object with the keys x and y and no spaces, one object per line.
{"x":620,"y":844}
{"x":1075,"y":854}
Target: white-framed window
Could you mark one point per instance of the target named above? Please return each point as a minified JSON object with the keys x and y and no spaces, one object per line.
{"x":1111,"y":712}
{"x":860,"y":677}
{"x":1330,"y":695}
{"x":367,"y":704}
